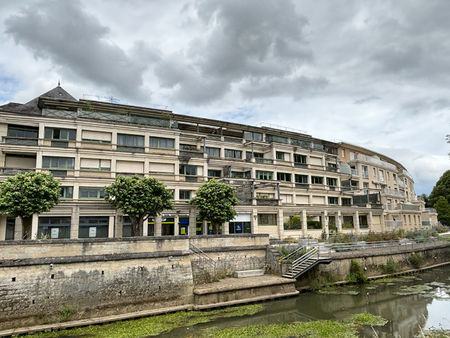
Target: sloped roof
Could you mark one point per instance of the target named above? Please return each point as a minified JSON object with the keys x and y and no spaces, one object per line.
{"x":31,"y":107}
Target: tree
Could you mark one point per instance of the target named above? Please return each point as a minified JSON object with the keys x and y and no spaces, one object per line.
{"x":215,"y":201}
{"x":442,"y":188}
{"x":139,"y":198}
{"x":30,"y":193}
{"x":443,"y":209}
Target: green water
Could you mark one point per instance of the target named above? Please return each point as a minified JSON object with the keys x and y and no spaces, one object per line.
{"x":410,"y":304}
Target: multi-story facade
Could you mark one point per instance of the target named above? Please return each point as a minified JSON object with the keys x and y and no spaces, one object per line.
{"x":289,"y":184}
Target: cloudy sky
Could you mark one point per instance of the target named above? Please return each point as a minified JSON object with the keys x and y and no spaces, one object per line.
{"x":372,"y":73}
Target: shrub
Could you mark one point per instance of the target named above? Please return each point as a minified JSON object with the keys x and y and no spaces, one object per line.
{"x":66,"y":314}
{"x":416,"y":260}
{"x":389,"y":267}
{"x":356,"y":274}
{"x":314,"y":225}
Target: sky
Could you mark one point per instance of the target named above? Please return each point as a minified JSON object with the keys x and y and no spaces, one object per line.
{"x":371,"y":73}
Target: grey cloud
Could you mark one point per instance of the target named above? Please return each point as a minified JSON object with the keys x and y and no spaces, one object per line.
{"x":258,"y":41}
{"x":77,"y":42}
{"x":367,"y":99}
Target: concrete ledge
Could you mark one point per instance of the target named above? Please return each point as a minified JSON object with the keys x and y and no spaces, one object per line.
{"x":90,"y":258}
{"x":249,"y":273}
{"x":234,"y":248}
{"x":93,"y":321}
{"x":231,"y":284}
{"x":247,"y":300}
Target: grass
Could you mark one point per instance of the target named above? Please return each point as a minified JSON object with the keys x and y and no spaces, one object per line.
{"x":319,"y":328}
{"x":368,"y":319}
{"x":151,"y":326}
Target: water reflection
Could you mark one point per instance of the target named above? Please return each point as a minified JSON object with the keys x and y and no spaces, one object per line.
{"x":408,"y":314}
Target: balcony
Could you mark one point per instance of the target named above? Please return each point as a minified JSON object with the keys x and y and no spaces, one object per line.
{"x":354,"y":172}
{"x":263,"y":160}
{"x":300,"y":165}
{"x":393,"y":224}
{"x":14,"y":171}
{"x":393,"y":192}
{"x":403,"y":206}
{"x":267,"y":201}
{"x":365,"y":174}
{"x":375,"y":161}
{"x":302,"y":185}
{"x":331,"y":169}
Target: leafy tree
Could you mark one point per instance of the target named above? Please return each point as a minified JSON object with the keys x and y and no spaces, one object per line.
{"x":443,"y":209}
{"x":139,"y":198}
{"x":30,"y":193}
{"x":442,"y":188}
{"x":215,"y":201}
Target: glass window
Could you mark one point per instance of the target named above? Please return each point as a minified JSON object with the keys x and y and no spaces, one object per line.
{"x":186,"y":169}
{"x":252,"y":136}
{"x":50,"y":162}
{"x":22,"y":131}
{"x":316,"y":180}
{"x":95,"y":164}
{"x":231,"y":153}
{"x":93,"y":226}
{"x":54,"y":227}
{"x":133,"y":143}
{"x":264,"y":175}
{"x":301,"y":179}
{"x":332,"y":182}
{"x":60,"y":134}
{"x":280,"y":155}
{"x":183,"y":225}
{"x":267,"y":219}
{"x":285,"y":177}
{"x":66,"y":192}
{"x":161,"y":142}
{"x":185,"y":194}
{"x":214,"y":173}
{"x":332,"y":200}
{"x":91,"y":193}
{"x":10,"y":228}
{"x":346,"y":201}
{"x":274,"y":138}
{"x":240,"y":227}
{"x":213,"y":152}
{"x":300,"y":158}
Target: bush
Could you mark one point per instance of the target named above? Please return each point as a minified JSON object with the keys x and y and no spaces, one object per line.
{"x":323,"y":279}
{"x":314,"y":225}
{"x":293,"y":223}
{"x":416,"y":260}
{"x":356,"y":274}
{"x":66,"y":314}
{"x":389,"y":267}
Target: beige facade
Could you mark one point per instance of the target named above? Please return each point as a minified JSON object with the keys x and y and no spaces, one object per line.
{"x":289,"y":184}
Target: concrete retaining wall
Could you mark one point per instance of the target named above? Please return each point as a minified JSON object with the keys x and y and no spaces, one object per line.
{"x":40,"y":280}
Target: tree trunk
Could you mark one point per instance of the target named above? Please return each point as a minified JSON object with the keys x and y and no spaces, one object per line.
{"x":215,"y":228}
{"x":136,"y":226}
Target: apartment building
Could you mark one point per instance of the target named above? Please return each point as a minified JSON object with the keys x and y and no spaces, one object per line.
{"x":289,"y":184}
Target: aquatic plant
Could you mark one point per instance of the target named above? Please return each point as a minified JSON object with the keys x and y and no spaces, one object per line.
{"x":368,"y":319}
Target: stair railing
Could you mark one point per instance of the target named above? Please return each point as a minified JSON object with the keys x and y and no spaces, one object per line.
{"x":310,"y":254}
{"x":195,"y":249}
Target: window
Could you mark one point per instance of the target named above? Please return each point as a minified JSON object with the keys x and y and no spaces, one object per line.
{"x":252,"y":136}
{"x":332,"y":182}
{"x":50,"y":162}
{"x":186,"y":169}
{"x":231,"y":153}
{"x":346,"y":201}
{"x":343,"y":152}
{"x":91,"y":193}
{"x":60,"y":134}
{"x":93,"y":226}
{"x":95,"y":164}
{"x":303,"y":179}
{"x":278,"y":139}
{"x":285,"y":177}
{"x":301,"y":159}
{"x":133,"y":143}
{"x":333,"y":200}
{"x":67,"y":192}
{"x":184,"y":194}
{"x":164,"y":143}
{"x":214,"y":173}
{"x":366,"y":185}
{"x":54,"y":227}
{"x":316,"y":180}
{"x":96,"y":136}
{"x":248,"y":155}
{"x":264,"y":175}
{"x":183,"y":225}
{"x":10,"y":228}
{"x":22,"y":135}
{"x":348,"y":222}
{"x":213,"y":152}
{"x":280,"y":155}
{"x":267,"y":219}
{"x":352,"y":155}
{"x":381,"y":175}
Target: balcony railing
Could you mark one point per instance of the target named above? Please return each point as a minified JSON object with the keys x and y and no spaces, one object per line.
{"x":365,"y":174}
{"x":375,"y":161}
{"x":354,"y":172}
{"x":393,"y":192}
{"x":393,"y":224}
{"x":14,"y":171}
{"x":302,"y":185}
{"x":263,"y":160}
{"x":300,"y":165}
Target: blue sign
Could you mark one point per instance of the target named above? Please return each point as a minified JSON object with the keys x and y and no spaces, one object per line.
{"x":238,"y":227}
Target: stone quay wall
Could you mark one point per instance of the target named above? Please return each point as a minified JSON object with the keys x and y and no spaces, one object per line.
{"x":43,"y":281}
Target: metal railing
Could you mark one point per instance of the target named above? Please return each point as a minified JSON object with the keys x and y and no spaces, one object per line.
{"x":357,"y":246}
{"x":195,"y":249}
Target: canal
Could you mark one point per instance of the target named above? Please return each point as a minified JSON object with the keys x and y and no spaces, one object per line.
{"x":411,"y":304}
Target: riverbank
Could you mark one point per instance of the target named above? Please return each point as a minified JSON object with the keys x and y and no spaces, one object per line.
{"x":403,"y":306}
